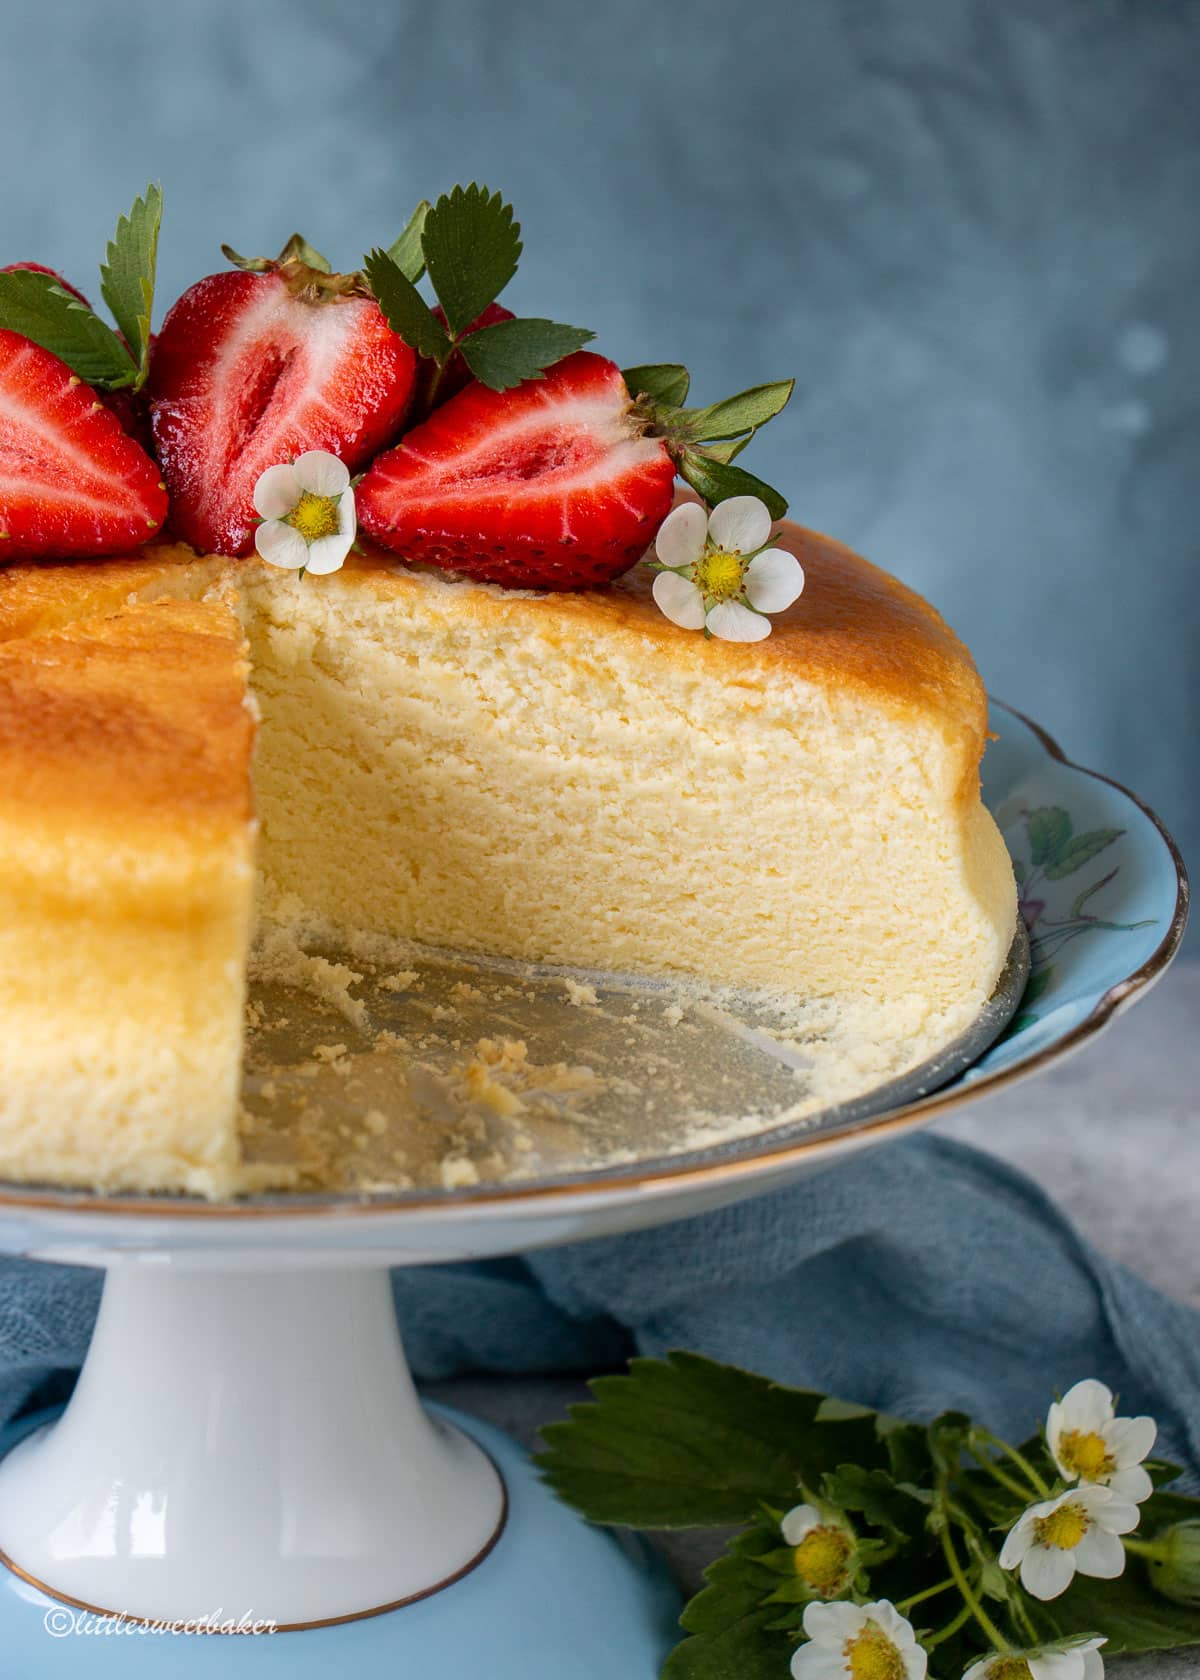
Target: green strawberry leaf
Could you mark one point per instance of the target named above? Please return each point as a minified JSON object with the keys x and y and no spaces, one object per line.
{"x":729,"y":419}
{"x":687,"y":1443}
{"x":1128,"y":1610}
{"x":471,"y":246}
{"x":1082,"y":849}
{"x":406,"y":310}
{"x":128,"y":271}
{"x":406,"y":251}
{"x":1049,"y":831}
{"x":730,"y":1620}
{"x":662,"y":382}
{"x":729,"y":449}
{"x":36,"y":306}
{"x":716,"y":481}
{"x":875,"y":1495}
{"x":510,"y":352}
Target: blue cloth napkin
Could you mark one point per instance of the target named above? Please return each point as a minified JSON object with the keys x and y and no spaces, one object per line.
{"x":916,"y":1277}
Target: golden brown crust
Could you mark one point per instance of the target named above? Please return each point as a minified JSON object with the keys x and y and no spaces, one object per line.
{"x":854,"y":630}
{"x":133,"y":720}
{"x":36,"y":596}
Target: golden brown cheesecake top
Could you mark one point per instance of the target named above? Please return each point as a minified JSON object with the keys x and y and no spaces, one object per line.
{"x":854,"y":629}
{"x":138,"y":717}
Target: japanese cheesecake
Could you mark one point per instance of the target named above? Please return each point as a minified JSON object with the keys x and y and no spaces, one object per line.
{"x":564,"y":777}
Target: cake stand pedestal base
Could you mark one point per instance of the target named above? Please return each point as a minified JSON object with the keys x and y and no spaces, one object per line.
{"x":245,"y":1453}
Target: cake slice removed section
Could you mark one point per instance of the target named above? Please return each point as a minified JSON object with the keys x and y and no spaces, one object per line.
{"x":126,"y":897}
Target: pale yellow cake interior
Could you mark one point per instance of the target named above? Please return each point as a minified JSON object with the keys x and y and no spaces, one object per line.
{"x":568,"y":779}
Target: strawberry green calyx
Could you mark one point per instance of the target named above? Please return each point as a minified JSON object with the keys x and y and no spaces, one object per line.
{"x":306,"y":273}
{"x":468,"y":243}
{"x":704,"y":442}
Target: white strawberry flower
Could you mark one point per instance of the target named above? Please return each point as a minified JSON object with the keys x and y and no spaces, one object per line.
{"x":1077,"y":1659}
{"x":824,"y":1550}
{"x":1077,"y":1531}
{"x":307,"y":512}
{"x":720,"y":573}
{"x":858,"y":1642}
{"x":1090,"y":1444}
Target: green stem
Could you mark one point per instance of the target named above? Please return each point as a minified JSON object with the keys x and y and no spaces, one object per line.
{"x":1018,"y":1458}
{"x":950,"y":1629}
{"x":907,"y":1604}
{"x":969,"y":1599}
{"x":994,"y":1470}
{"x":1145,"y":1548}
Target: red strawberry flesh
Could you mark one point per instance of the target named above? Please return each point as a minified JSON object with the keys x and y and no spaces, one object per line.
{"x":245,"y":375}
{"x":548,"y":486}
{"x":71,"y":481}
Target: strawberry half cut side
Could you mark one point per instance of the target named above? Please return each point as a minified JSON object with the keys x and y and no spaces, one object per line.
{"x":250,"y":370}
{"x":72,"y":482}
{"x":551,"y":485}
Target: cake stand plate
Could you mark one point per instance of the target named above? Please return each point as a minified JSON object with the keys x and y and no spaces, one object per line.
{"x":245,"y":1443}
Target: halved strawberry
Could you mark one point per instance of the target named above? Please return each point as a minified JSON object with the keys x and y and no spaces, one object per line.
{"x":71,"y":481}
{"x":551,"y":485}
{"x":252,"y":369}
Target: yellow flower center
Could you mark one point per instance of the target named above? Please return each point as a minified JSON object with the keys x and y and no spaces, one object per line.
{"x":821,"y":1560}
{"x":871,"y":1655}
{"x":1063,"y":1528}
{"x":314,"y":516}
{"x":1009,"y":1668}
{"x":718,"y":575}
{"x":1087,"y":1455}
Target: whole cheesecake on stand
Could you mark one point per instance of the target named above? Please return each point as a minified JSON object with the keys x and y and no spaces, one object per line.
{"x":490,"y":729}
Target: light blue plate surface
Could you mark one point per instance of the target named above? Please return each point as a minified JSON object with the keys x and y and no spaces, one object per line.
{"x":555,"y":1599}
{"x":1103,"y":889}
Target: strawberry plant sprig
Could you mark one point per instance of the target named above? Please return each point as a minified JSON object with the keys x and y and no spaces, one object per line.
{"x":42,"y":308}
{"x":469,"y":244}
{"x":704,"y":442}
{"x":870,"y":1547}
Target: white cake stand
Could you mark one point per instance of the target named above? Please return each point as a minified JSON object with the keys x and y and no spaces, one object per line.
{"x":245,"y":1450}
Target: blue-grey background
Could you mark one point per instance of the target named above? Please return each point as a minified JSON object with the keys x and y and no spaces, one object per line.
{"x":971,"y":228}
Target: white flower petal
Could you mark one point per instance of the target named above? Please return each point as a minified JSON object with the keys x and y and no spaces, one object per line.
{"x":680,"y":539}
{"x":1132,"y":1485}
{"x":680,"y":600}
{"x":281,"y":545}
{"x":1047,"y":1571}
{"x":740,"y":525}
{"x":1019,"y":1538}
{"x":1118,"y":1516}
{"x":347,"y":519}
{"x":774,"y":579}
{"x":328,"y":554}
{"x":277,"y":492}
{"x":798,"y":1522}
{"x":321,"y":473}
{"x":1130,"y":1440}
{"x":1056,"y":1665}
{"x":978,"y":1670}
{"x":733,"y":622}
{"x":832,"y":1624}
{"x":1100,"y":1554}
{"x":1093,"y":1662}
{"x":817,"y":1662}
{"x":884,"y":1613}
{"x":1087,"y":1407}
